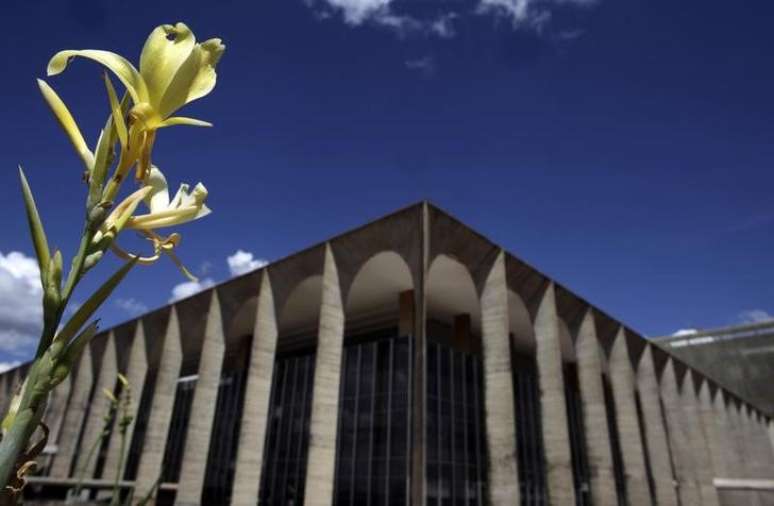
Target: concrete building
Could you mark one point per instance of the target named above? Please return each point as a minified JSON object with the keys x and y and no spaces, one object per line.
{"x":409,"y":361}
{"x":741,"y":358}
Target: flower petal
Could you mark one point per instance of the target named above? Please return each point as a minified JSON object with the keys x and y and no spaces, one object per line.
{"x":182,"y":120}
{"x":158,"y":198}
{"x":195,"y":78}
{"x":118,"y":116}
{"x":167,"y":47}
{"x":119,"y":65}
{"x":67,"y":123}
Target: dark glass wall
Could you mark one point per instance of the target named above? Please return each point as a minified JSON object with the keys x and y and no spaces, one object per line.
{"x":372,"y":463}
{"x":580,"y":467}
{"x":287,"y":440}
{"x":529,"y":432}
{"x":178,"y":428}
{"x":455,"y":445}
{"x":221,"y":459}
{"x":615,"y":442}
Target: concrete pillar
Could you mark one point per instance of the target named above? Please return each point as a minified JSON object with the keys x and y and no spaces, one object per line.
{"x":627,"y":421}
{"x":5,"y":392}
{"x":599,"y":455}
{"x":252,"y":434}
{"x":98,"y":410}
{"x":679,"y":429}
{"x":766,"y":446}
{"x":55,"y":412}
{"x":74,"y":417}
{"x":321,"y":463}
{"x":698,"y":441}
{"x":197,"y":441}
{"x":498,"y":389}
{"x":717,"y":417}
{"x":771,"y":435}
{"x":136,"y":371}
{"x":556,"y":439}
{"x":655,"y":431}
{"x":155,"y":440}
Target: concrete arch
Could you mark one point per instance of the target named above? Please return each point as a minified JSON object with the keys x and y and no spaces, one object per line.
{"x":520,"y":325}
{"x":301,"y":311}
{"x":376,"y":286}
{"x":451,"y":292}
{"x":566,"y":344}
{"x":243,"y":322}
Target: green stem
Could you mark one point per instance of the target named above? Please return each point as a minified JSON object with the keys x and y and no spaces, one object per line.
{"x":82,"y":474}
{"x":15,"y":442}
{"x":115,"y":500}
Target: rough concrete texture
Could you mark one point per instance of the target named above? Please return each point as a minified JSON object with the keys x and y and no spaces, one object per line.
{"x":252,"y":434}
{"x":74,"y":417}
{"x":627,"y":421}
{"x":655,"y":431}
{"x":107,"y":376}
{"x":710,"y":424}
{"x":321,"y":462}
{"x":678,"y":426}
{"x":136,"y":371}
{"x":600,"y":459}
{"x":54,"y":417}
{"x":197,"y":441}
{"x":556,"y":440}
{"x":498,"y":389}
{"x":155,"y":441}
{"x":698,"y":441}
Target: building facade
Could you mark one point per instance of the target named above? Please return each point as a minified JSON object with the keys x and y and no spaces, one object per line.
{"x":408,"y":362}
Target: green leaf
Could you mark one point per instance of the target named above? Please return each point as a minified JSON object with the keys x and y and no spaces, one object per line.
{"x":89,"y":307}
{"x":39,"y":240}
{"x":70,"y":355}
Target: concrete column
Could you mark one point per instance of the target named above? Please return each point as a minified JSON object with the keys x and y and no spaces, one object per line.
{"x":197,"y":441}
{"x":771,"y":435}
{"x":599,"y":455}
{"x":766,"y":446}
{"x":627,"y":421}
{"x":252,"y":434}
{"x":5,"y":393}
{"x":655,"y":431}
{"x":136,"y":372}
{"x":98,"y":410}
{"x":556,"y":439}
{"x":55,"y":413}
{"x":716,"y":418}
{"x":498,"y":389}
{"x":679,"y":429}
{"x":74,"y":417}
{"x":698,"y":441}
{"x":155,"y":440}
{"x":325,"y":393}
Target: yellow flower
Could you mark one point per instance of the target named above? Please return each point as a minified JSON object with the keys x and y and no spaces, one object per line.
{"x":187,"y":205}
{"x":174,"y":71}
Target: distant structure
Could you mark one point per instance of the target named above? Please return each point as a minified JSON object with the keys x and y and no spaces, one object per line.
{"x":740,"y":358}
{"x":410,"y":361}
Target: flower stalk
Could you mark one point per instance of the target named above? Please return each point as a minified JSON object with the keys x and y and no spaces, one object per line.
{"x":174,"y":70}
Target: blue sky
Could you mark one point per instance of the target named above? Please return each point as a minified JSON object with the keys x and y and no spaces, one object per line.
{"x":624,"y":147}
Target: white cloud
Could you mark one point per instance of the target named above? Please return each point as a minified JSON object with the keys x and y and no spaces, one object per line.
{"x":242,"y":262}
{"x":755,"y":316}
{"x":20,"y":303}
{"x":188,"y":288}
{"x":425,"y":65}
{"x":5,"y":366}
{"x":131,"y":305}
{"x":531,"y":13}
{"x":685,"y":332}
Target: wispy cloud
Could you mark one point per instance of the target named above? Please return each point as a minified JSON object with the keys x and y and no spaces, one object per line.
{"x":685,"y":332}
{"x":241,"y":262}
{"x":5,"y":366}
{"x":439,"y":23}
{"x":755,"y":316}
{"x":424,"y":65}
{"x":131,"y":305}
